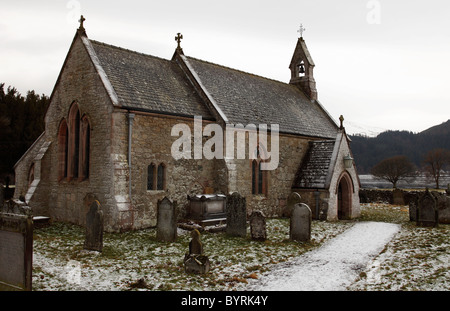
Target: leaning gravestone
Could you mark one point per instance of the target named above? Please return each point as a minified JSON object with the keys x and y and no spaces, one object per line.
{"x":166,"y":227}
{"x":258,"y":226}
{"x":16,"y":246}
{"x":194,"y":261}
{"x":427,"y":211}
{"x":300,"y":229}
{"x":293,"y":199}
{"x":236,"y":215}
{"x":94,"y":228}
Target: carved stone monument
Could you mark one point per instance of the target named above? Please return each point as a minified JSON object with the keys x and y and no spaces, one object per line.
{"x":166,"y":228}
{"x":258,"y":226}
{"x":236,"y":215}
{"x":292,"y":199}
{"x":300,"y":229}
{"x":194,"y":261}
{"x":94,"y":225}
{"x":16,"y":246}
{"x":427,"y":210}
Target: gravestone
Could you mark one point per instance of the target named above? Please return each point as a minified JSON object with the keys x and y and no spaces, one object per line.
{"x":195,"y":245}
{"x":397,"y":197}
{"x":236,"y":215}
{"x":413,"y":210}
{"x":194,"y":261}
{"x":166,"y":227}
{"x":292,"y":199}
{"x":94,"y":227}
{"x":16,"y":246}
{"x":258,"y":226}
{"x":427,"y":211}
{"x":300,"y":228}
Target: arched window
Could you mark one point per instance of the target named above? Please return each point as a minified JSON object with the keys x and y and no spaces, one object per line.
{"x":161,"y":177}
{"x":156,"y":177}
{"x":74,"y":146}
{"x":150,"y":176}
{"x":85,"y":136}
{"x":74,"y":142}
{"x":259,"y":177}
{"x":62,"y":150}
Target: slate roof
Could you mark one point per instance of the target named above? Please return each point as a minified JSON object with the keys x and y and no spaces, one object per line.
{"x":246,"y":98}
{"x":315,"y":168}
{"x":149,"y":83}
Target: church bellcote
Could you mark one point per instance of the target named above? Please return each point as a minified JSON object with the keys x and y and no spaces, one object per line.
{"x":302,"y":67}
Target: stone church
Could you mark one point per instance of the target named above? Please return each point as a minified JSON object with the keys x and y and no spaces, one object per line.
{"x":108,"y":132}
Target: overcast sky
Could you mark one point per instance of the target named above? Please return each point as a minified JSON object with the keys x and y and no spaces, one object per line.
{"x":383,"y":64}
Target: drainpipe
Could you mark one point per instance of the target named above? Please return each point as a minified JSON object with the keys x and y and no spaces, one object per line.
{"x":317,"y":194}
{"x":130,"y":131}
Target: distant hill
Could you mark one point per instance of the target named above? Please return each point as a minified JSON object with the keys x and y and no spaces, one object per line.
{"x":368,"y":151}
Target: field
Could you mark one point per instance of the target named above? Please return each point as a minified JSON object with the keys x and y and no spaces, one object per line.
{"x":416,"y":259}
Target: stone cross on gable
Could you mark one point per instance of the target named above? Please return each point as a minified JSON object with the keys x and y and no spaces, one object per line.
{"x":178,"y":39}
{"x":81,"y":21}
{"x":301,"y":30}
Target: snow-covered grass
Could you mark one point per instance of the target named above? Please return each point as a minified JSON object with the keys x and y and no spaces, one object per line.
{"x":417,"y":258}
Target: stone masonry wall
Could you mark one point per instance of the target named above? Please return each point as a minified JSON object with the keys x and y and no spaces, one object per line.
{"x":151,"y":143}
{"x":63,"y":200}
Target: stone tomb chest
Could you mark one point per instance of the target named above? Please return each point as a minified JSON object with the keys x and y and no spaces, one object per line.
{"x":207,"y":208}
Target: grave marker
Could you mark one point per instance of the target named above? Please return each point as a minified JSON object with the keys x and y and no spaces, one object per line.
{"x":427,"y":211}
{"x":292,"y":199}
{"x":236,"y":215}
{"x":258,"y":226}
{"x":94,"y":227}
{"x":300,"y":229}
{"x":16,"y":247}
{"x":166,"y":230}
{"x":194,"y":261}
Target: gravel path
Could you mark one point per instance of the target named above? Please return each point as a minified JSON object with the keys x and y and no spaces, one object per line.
{"x":333,"y":266}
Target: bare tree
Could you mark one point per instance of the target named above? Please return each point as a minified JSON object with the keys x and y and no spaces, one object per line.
{"x":435,"y":161}
{"x":394,"y":169}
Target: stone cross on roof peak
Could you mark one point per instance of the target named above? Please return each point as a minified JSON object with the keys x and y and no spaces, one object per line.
{"x":301,"y":30}
{"x":178,"y":39}
{"x":81,"y":21}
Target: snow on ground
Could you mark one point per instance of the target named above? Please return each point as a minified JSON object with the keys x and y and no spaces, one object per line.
{"x":333,"y":266}
{"x":382,"y":250}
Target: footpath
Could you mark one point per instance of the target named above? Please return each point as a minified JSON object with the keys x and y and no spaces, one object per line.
{"x":333,"y":266}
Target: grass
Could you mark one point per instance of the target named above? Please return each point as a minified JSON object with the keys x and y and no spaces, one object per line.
{"x":136,"y":261}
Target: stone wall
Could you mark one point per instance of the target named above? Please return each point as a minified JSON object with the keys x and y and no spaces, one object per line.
{"x":151,"y":143}
{"x":63,"y":200}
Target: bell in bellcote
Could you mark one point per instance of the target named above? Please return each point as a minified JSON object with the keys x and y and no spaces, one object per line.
{"x":301,"y":69}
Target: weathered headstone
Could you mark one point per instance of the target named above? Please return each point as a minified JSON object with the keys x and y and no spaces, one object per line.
{"x":300,"y":229}
{"x":195,"y":245}
{"x":94,"y":227}
{"x":397,"y":197}
{"x":16,"y":247}
{"x":413,"y":210}
{"x":292,"y":199}
{"x":427,"y":211}
{"x":236,"y":215}
{"x":166,"y":228}
{"x":258,"y":226}
{"x":195,"y":261}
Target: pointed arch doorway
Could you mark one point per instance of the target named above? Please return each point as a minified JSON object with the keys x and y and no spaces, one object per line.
{"x":344,"y":192}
